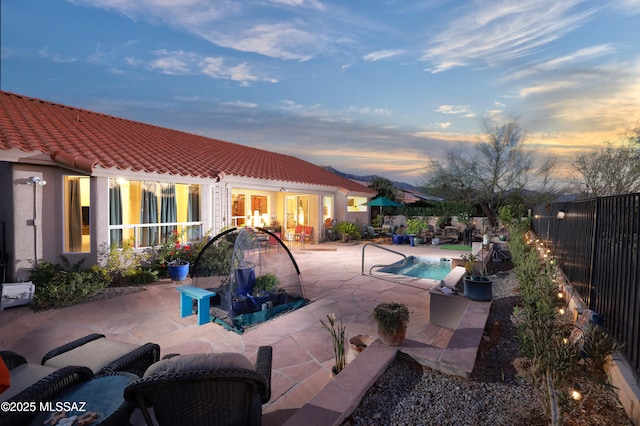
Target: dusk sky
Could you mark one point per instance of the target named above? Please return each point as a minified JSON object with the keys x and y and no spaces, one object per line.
{"x":368,"y":87}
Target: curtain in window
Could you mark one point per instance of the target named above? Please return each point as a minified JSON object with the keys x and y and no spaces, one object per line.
{"x":75,"y":215}
{"x":193,"y":212}
{"x":115,"y":212}
{"x":149,"y":214}
{"x":168,"y":209}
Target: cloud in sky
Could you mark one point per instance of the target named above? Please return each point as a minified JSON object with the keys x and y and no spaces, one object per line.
{"x":377,"y":88}
{"x":184,"y":63}
{"x":494,"y":32}
{"x":46,"y":53}
{"x":382,"y":54}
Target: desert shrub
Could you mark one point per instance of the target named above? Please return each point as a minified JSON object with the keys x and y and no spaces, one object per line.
{"x":64,"y":285}
{"x":597,"y":345}
{"x":216,"y":260}
{"x":125,"y":267}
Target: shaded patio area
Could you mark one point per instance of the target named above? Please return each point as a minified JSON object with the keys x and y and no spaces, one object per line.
{"x":302,"y":349}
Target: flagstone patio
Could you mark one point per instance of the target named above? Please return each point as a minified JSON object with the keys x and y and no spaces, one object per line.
{"x":302,"y":389}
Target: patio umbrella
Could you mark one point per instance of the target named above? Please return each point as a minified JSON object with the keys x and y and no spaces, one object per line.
{"x":381,"y":202}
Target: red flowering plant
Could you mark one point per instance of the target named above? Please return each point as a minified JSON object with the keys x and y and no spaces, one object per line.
{"x":171,"y":251}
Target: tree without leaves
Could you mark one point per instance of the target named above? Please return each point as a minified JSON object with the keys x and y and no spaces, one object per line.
{"x":496,"y":167}
{"x":608,"y":171}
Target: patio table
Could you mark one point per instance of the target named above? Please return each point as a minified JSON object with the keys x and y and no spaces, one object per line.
{"x":102,"y":395}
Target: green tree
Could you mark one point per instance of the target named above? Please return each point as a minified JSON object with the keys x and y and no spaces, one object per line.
{"x":496,"y":169}
{"x":385,"y":188}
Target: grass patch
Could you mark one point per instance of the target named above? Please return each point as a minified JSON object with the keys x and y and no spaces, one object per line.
{"x":460,"y":247}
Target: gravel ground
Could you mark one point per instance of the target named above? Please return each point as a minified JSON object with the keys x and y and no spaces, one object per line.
{"x":111,"y":292}
{"x":410,"y":394}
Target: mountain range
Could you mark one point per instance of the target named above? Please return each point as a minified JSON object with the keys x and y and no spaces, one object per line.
{"x":370,"y":178}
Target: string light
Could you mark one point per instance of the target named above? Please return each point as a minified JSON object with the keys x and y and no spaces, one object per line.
{"x":575,"y":393}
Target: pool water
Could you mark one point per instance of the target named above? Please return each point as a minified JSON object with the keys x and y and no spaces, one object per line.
{"x":419,"y":267}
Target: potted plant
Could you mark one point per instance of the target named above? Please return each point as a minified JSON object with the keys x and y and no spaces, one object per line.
{"x":347,"y":230}
{"x":392,"y":319}
{"x":397,"y":237}
{"x":415,"y":227}
{"x":477,"y":286}
{"x":178,"y":269}
{"x":337,"y":337}
{"x":443,"y":222}
{"x":265,"y":284}
{"x":265,"y":289}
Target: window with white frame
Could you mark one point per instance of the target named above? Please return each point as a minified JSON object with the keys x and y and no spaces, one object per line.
{"x":146,"y":213}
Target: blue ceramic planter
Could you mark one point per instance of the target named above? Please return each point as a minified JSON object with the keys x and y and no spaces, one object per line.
{"x":178,"y":272}
{"x":478,"y":288}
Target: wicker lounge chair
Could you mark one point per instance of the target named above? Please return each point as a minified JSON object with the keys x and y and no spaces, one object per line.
{"x":103,"y":355}
{"x":204,"y":389}
{"x":35,"y":383}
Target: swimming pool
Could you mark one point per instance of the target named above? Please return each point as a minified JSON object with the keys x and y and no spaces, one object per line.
{"x":420,"y":267}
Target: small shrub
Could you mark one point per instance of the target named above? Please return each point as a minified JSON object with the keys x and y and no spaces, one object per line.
{"x":124,"y":266}
{"x":596,"y":347}
{"x":391,"y":317}
{"x":58,"y":286}
{"x":348,"y":228}
{"x":266,"y":283}
{"x":216,"y":260}
{"x":443,"y":222}
{"x":416,"y":226}
{"x":144,"y":276}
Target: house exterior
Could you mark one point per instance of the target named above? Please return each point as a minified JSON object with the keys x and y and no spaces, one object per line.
{"x":73,"y":182}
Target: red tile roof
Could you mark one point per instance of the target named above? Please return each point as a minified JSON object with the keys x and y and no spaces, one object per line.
{"x":85,"y":140}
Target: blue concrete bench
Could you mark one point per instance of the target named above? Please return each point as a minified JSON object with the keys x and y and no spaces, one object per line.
{"x":188,"y":292}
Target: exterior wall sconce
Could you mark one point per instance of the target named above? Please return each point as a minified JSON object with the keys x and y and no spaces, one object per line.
{"x":35,"y":179}
{"x":561,"y":214}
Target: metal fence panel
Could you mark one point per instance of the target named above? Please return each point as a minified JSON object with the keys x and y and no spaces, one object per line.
{"x":596,"y":244}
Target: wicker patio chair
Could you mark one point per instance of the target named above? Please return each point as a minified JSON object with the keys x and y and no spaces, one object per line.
{"x":204,"y":389}
{"x":103,"y":355}
{"x":35,"y":383}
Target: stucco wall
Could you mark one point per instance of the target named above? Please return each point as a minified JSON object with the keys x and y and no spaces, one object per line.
{"x":35,"y":209}
{"x":34,"y":214}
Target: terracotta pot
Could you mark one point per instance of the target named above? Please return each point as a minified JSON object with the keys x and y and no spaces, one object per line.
{"x":357,"y":344}
{"x":392,"y":339}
